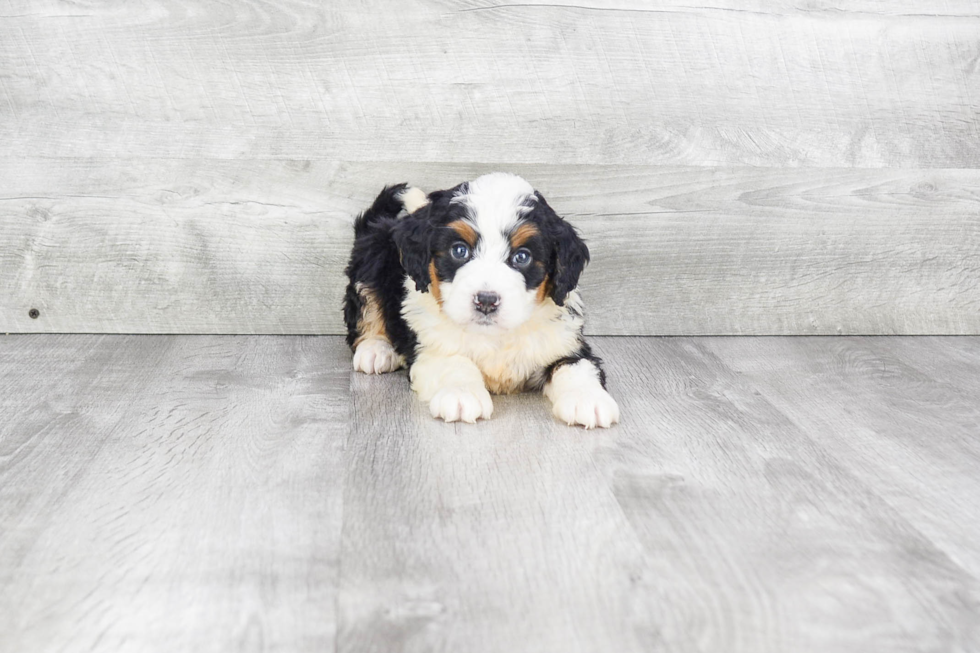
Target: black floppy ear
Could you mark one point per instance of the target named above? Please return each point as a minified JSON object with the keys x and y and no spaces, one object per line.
{"x":569,"y":255}
{"x":413,"y":238}
{"x":413,"y":235}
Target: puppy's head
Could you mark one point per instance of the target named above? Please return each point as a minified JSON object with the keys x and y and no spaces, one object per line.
{"x":490,"y":251}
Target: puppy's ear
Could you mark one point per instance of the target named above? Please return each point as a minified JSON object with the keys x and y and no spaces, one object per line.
{"x":569,"y":255}
{"x":413,"y":234}
{"x":413,"y":238}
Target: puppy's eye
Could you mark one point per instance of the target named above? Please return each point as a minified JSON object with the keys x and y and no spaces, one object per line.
{"x":521,"y":258}
{"x":460,"y":251}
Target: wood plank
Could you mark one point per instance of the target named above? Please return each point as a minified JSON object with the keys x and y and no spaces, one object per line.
{"x":731,"y":529}
{"x":162,"y":493}
{"x":787,"y":83}
{"x":943,"y":359}
{"x":188,"y":246}
{"x":829,"y":9}
{"x":499,"y":536}
{"x":757,"y":538}
{"x":183,"y":493}
{"x":912,"y":433}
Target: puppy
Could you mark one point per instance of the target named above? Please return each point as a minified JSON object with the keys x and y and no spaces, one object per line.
{"x":475,"y":291}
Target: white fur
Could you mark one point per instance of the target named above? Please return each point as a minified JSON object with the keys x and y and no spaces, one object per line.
{"x":516,"y":301}
{"x":508,"y":358}
{"x":462,"y":352}
{"x":494,"y":200}
{"x":376,"y":356}
{"x":452,"y":385}
{"x":494,"y":204}
{"x":413,"y":199}
{"x":577,"y":397}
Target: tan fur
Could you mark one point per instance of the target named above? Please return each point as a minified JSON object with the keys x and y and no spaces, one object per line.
{"x":522,"y":234}
{"x":371,"y":323}
{"x":506,"y":359}
{"x":465,"y":231}
{"x":543,"y":289}
{"x":434,"y":281}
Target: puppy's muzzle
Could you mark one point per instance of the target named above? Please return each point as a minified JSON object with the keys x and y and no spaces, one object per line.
{"x":486,"y":302}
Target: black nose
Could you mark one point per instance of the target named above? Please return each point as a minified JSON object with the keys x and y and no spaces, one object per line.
{"x":486,"y":302}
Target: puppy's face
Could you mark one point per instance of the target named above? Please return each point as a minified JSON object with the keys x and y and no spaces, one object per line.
{"x":490,"y":251}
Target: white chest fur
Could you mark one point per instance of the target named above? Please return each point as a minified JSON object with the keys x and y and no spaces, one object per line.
{"x":507,"y":359}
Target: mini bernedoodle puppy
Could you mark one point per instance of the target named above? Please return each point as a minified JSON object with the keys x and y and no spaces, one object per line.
{"x":474,"y":289}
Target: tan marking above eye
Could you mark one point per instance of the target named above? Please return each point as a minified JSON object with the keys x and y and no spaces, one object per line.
{"x":524,"y":232}
{"x":465,"y":231}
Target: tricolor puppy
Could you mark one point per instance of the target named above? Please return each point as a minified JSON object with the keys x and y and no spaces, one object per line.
{"x":475,"y":291}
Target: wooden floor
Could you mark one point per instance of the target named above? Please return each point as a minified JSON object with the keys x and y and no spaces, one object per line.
{"x":219,"y":493}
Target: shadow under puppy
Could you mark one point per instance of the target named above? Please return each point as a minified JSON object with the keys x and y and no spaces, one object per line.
{"x":475,"y":291}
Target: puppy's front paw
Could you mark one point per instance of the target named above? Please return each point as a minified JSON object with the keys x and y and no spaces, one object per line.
{"x":467,"y":403}
{"x":376,"y":356}
{"x":588,"y":407}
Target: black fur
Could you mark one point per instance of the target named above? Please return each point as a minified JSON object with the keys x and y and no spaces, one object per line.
{"x":413,"y":239}
{"x":569,"y":255}
{"x":584,"y":352}
{"x":374,"y":262}
{"x":540,"y":249}
{"x":441,"y":244}
{"x":387,"y":248}
{"x":386,"y":205}
{"x":418,"y":236}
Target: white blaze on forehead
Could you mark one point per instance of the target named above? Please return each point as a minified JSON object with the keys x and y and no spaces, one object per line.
{"x":495,"y":203}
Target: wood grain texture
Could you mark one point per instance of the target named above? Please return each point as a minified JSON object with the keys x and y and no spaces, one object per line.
{"x":757,"y":537}
{"x":248,"y":493}
{"x":162,"y":494}
{"x":496,"y":537}
{"x":908,"y":420}
{"x":709,"y":520}
{"x":187,"y":246}
{"x":787,"y":83}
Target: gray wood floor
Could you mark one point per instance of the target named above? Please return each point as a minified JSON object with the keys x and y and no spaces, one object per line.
{"x":217,"y":493}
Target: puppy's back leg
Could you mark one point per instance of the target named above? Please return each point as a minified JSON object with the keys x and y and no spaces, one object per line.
{"x":373,"y":352}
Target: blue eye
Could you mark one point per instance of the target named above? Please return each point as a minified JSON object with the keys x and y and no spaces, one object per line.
{"x":460,"y":251}
{"x":521,"y":258}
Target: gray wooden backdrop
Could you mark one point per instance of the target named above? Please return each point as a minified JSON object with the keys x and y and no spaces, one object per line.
{"x":755,"y":167}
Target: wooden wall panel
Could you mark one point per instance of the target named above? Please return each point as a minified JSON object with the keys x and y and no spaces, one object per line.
{"x":867,"y":84}
{"x":163,"y":246}
{"x":739,"y":167}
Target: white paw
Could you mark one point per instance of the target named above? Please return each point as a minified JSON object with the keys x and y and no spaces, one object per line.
{"x":463,"y":403}
{"x":588,"y":407}
{"x":374,"y":356}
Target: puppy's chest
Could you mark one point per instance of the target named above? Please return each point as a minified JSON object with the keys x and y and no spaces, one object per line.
{"x":510,"y":361}
{"x":508,"y":367}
